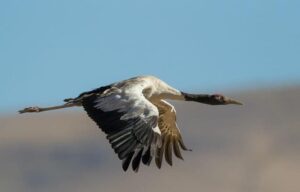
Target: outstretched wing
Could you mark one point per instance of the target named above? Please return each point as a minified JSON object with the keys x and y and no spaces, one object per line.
{"x":171,"y":137}
{"x":130,"y":122}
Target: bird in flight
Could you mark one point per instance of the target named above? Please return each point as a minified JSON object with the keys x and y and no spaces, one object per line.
{"x":139,"y":123}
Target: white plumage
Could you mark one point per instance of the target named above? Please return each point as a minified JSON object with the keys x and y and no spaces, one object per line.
{"x":140,"y":124}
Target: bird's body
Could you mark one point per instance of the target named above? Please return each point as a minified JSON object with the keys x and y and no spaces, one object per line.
{"x":138,"y":121}
{"x":151,"y":87}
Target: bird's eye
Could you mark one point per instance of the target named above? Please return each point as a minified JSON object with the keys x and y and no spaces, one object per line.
{"x":218,"y":97}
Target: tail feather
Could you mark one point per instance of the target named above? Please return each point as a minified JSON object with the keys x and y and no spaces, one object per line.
{"x":86,"y":94}
{"x":69,"y":100}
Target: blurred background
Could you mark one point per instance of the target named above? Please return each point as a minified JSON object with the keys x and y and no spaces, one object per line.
{"x":249,"y":50}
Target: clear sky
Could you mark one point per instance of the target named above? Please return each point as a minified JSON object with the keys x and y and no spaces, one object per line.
{"x":50,"y":50}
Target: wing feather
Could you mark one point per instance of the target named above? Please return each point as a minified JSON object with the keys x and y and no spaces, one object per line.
{"x":147,"y":157}
{"x":137,"y":160}
{"x":127,"y":160}
{"x":160,"y":154}
{"x":171,"y":137}
{"x":177,"y":150}
{"x":130,"y":122}
{"x":168,"y":149}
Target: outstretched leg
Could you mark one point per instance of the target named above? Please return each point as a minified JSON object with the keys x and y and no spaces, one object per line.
{"x":40,"y":109}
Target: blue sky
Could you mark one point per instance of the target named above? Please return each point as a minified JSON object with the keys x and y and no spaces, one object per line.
{"x":50,"y":50}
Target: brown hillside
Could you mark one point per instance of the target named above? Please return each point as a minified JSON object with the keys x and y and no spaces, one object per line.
{"x":252,"y":148}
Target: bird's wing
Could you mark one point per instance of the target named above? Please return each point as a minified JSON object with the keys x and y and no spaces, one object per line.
{"x":171,"y":137}
{"x":130,"y":122}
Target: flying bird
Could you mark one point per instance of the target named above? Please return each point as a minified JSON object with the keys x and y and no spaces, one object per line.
{"x":139,"y":123}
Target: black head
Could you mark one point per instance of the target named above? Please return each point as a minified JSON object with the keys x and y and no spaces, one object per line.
{"x":215,"y":99}
{"x":218,"y":99}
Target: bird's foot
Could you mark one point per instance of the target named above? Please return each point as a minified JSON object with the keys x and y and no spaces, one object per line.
{"x":30,"y":110}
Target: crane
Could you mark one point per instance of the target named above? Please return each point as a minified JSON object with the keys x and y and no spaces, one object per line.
{"x":138,"y":122}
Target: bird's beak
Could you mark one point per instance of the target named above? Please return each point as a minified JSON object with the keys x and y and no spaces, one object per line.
{"x":231,"y":101}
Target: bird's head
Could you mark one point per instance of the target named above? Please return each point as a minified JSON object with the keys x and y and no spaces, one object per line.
{"x":218,"y":99}
{"x":214,"y":99}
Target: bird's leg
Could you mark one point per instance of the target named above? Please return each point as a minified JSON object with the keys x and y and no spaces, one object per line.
{"x":41,"y":109}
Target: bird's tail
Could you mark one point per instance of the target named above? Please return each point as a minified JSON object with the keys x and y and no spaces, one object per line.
{"x":69,"y":100}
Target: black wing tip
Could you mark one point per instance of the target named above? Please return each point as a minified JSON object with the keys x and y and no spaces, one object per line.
{"x":137,"y":160}
{"x":180,"y":158}
{"x":124,"y":168}
{"x":158,"y":163}
{"x":170,"y":163}
{"x":146,"y":159}
{"x":126,"y":161}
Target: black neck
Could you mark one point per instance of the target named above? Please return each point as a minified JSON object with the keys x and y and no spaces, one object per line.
{"x":201,"y":98}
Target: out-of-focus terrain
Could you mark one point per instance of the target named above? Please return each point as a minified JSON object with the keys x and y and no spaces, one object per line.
{"x":249,"y":148}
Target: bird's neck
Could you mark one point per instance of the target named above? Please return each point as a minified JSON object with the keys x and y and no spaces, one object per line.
{"x":201,"y":98}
